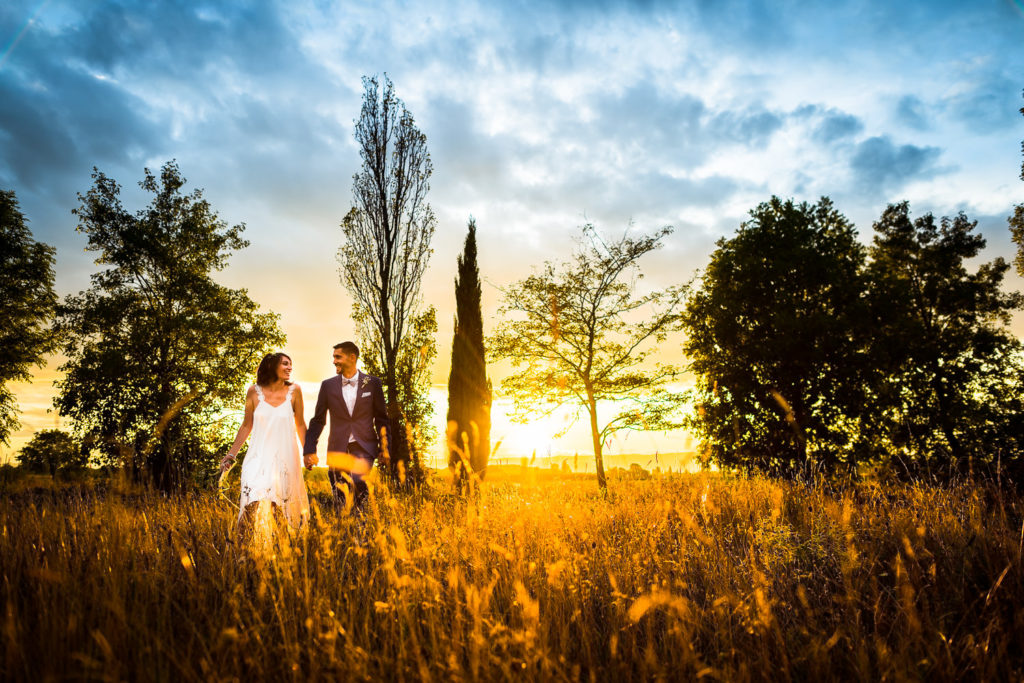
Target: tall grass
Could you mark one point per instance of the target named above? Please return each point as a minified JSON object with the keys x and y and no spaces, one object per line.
{"x":676,"y":577}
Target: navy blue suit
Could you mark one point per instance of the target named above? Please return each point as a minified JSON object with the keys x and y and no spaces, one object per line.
{"x":369,"y":415}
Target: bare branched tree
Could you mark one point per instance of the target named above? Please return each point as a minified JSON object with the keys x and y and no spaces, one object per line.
{"x":584,"y":334}
{"x":388,"y":232}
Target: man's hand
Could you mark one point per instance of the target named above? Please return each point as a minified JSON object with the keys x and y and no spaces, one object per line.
{"x":310,"y":460}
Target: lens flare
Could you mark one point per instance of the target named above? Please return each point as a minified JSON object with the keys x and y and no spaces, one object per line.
{"x":20,"y":33}
{"x":347,"y":462}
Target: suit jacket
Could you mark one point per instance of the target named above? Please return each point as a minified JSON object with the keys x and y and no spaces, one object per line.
{"x":363,"y":425}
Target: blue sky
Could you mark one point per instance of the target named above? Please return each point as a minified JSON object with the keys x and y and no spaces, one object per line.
{"x":539,"y":117}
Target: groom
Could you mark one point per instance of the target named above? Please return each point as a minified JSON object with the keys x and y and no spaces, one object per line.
{"x":359,"y":418}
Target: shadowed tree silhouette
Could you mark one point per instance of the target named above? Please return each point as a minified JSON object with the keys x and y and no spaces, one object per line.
{"x":52,"y":450}
{"x":27,"y":303}
{"x":772,"y":333}
{"x":156,"y":350}
{"x":1017,"y":221}
{"x":469,"y":390}
{"x":950,"y":396}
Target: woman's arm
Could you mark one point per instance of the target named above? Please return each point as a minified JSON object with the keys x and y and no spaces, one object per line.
{"x":243,"y":430}
{"x":300,"y":416}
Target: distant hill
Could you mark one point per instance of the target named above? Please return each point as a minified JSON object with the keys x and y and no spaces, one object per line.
{"x":584,"y":462}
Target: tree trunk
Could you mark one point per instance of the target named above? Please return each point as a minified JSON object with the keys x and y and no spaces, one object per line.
{"x":958,"y":461}
{"x":596,"y":436}
{"x":398,"y":442}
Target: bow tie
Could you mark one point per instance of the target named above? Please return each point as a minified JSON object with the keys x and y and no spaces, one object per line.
{"x":349,"y":381}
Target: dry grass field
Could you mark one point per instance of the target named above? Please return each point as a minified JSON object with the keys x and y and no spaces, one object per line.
{"x":673,"y":577}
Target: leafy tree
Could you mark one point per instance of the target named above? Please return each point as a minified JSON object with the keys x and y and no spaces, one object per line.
{"x":387,"y":237}
{"x":583,"y":335}
{"x":412,"y":379}
{"x":27,"y":303}
{"x":156,"y":349}
{"x":1017,"y":221}
{"x":469,"y":390}
{"x":772,"y":335}
{"x":51,"y":450}
{"x":952,"y":380}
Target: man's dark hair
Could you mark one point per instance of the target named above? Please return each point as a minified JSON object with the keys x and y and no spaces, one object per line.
{"x":348,"y":347}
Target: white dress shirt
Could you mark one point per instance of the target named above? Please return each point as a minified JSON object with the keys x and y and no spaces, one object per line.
{"x":348,"y":392}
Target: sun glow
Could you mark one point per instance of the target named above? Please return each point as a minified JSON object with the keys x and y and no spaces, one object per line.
{"x":535,"y":439}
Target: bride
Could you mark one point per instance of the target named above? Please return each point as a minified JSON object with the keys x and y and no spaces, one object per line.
{"x":272,"y":469}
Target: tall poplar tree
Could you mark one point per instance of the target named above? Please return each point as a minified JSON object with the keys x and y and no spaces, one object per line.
{"x":387,"y":236}
{"x":469,"y":390}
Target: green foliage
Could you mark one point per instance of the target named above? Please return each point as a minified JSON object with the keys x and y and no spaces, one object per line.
{"x":51,"y":450}
{"x":412,"y":382}
{"x":774,"y":342}
{"x":1016,"y":221}
{"x":27,"y":303}
{"x":156,"y":348}
{"x":469,"y":390}
{"x":387,"y":236}
{"x":582,"y":334}
{"x":949,"y":395}
{"x":810,"y":358}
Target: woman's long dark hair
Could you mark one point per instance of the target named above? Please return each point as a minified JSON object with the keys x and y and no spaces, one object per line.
{"x":267,"y":372}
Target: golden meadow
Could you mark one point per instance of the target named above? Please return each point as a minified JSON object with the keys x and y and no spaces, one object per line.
{"x":538,"y":577}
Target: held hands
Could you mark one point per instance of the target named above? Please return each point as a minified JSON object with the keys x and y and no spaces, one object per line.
{"x":226,"y":462}
{"x":310,"y":460}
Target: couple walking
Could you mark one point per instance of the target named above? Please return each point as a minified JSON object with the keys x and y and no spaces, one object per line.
{"x":272,"y":470}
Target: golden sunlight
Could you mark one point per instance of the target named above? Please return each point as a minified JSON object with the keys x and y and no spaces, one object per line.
{"x":535,"y":438}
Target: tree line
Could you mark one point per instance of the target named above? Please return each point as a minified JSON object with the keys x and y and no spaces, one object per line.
{"x":812,"y":353}
{"x":157,"y":352}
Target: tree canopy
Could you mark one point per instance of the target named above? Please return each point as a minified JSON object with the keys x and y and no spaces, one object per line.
{"x":1016,"y":221}
{"x":949,"y":392}
{"x":27,"y":303}
{"x":583,"y":335}
{"x":52,"y":450}
{"x":773,"y":337}
{"x":156,"y":349}
{"x":815,"y":355}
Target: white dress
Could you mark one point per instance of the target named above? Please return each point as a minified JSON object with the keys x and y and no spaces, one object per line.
{"x":272,"y":469}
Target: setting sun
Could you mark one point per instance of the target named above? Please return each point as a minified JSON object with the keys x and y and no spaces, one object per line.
{"x":523,"y":440}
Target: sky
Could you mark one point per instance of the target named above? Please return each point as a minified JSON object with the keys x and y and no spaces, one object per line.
{"x":539,"y":117}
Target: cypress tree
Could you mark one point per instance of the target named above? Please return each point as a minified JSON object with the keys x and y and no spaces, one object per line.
{"x":469,"y":390}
